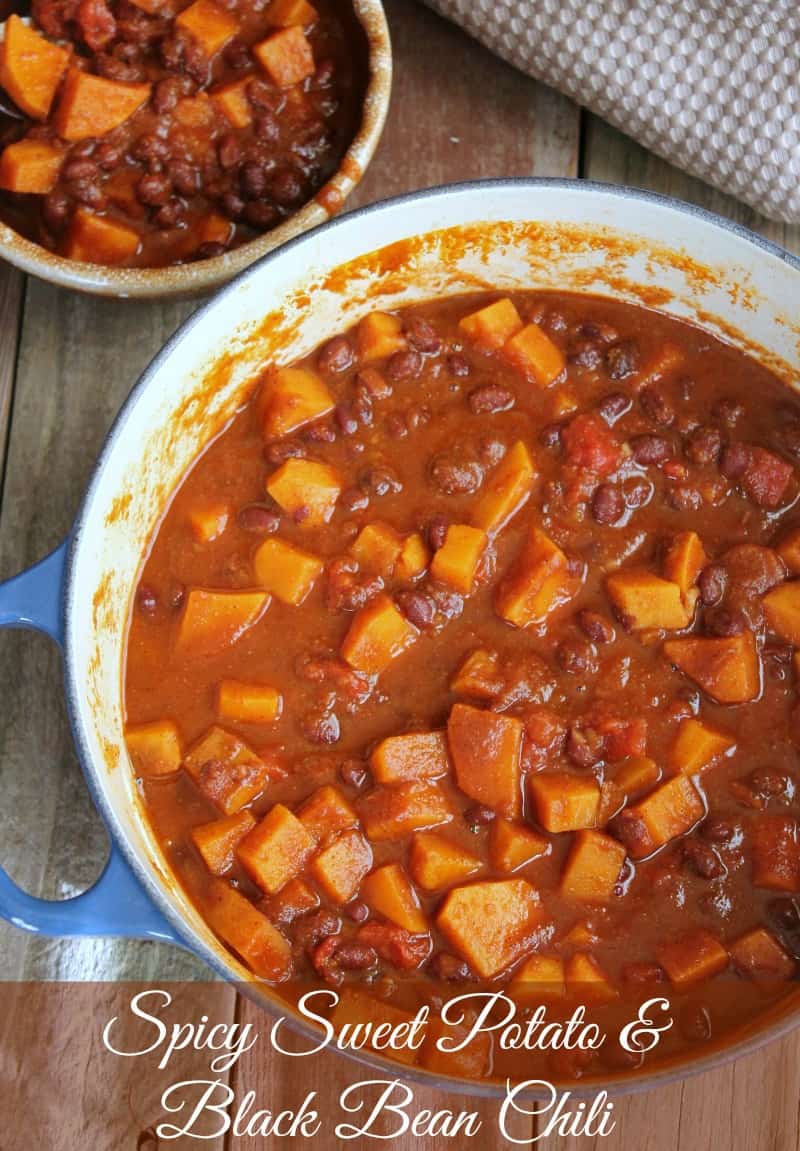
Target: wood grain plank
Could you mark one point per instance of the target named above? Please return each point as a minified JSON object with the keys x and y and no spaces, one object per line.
{"x":11,"y":295}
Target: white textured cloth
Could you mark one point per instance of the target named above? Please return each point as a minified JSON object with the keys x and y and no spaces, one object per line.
{"x":711,"y":85}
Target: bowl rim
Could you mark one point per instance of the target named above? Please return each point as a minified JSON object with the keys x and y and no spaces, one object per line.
{"x":190,"y":279}
{"x":261,"y":993}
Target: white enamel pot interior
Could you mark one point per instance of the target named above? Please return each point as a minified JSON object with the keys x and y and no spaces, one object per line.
{"x":564,"y":235}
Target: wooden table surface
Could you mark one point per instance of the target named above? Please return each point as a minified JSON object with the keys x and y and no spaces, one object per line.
{"x":67,"y":363}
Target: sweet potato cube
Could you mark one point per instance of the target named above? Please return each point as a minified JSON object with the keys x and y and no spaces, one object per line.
{"x":326,"y":814}
{"x":294,"y":899}
{"x":684,"y":559}
{"x":782,"y":611}
{"x":413,"y":559}
{"x":31,"y":68}
{"x":30,"y":167}
{"x":760,"y":956}
{"x":286,"y":571}
{"x":232,"y":100}
{"x":592,"y":867}
{"x":563,"y":402}
{"x":776,"y":853}
{"x":377,"y":1020}
{"x":286,"y":57}
{"x":512,"y":845}
{"x":485,"y":747}
{"x":671,"y":810}
{"x":226,"y":770}
{"x":341,"y":867}
{"x":240,"y":702}
{"x":491,"y":924}
{"x":470,"y":1062}
{"x":534,"y":354}
{"x":379,"y":334}
{"x":251,"y":935}
{"x":395,"y":812}
{"x":217,"y":841}
{"x":644,"y":600}
{"x":564,"y":802}
{"x":698,"y":746}
{"x":289,"y":399}
{"x":789,"y":550}
{"x":506,"y":490}
{"x":436,"y":861}
{"x":94,"y":239}
{"x":154,"y":748}
{"x":208,"y":521}
{"x":728,"y":668}
{"x":456,"y":561}
{"x":416,"y":755}
{"x":284,"y":13}
{"x":276,"y":850}
{"x":587,"y":980}
{"x":90,"y":105}
{"x":306,"y":489}
{"x":537,"y":582}
{"x":388,"y":891}
{"x":667,"y":358}
{"x":540,"y":977}
{"x":213,"y":620}
{"x":492,"y":326}
{"x":209,"y":25}
{"x":378,"y":634}
{"x":636,"y":774}
{"x":695,"y":957}
{"x":377,"y":548}
{"x":479,"y":675}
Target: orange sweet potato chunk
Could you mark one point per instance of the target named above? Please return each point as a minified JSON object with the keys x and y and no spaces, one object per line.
{"x":415,"y":755}
{"x":306,"y":489}
{"x":379,"y":334}
{"x":217,"y":841}
{"x":286,"y":57}
{"x":289,"y":399}
{"x":378,"y":634}
{"x":239,"y":702}
{"x":775,"y":853}
{"x":670,"y":810}
{"x":485,"y":748}
{"x":436,"y":862}
{"x":283,"y":13}
{"x":492,"y":326}
{"x":30,"y":167}
{"x":326,"y":814}
{"x":208,"y":521}
{"x":789,"y":550}
{"x":31,"y":67}
{"x":760,"y":957}
{"x":232,"y":100}
{"x":537,"y":583}
{"x":288,"y":572}
{"x":534,"y":354}
{"x":213,"y":620}
{"x":698,"y":747}
{"x":377,"y":548}
{"x":782,"y":611}
{"x":491,"y":924}
{"x":276,"y":850}
{"x":247,"y":931}
{"x":684,"y":559}
{"x":377,"y":1020}
{"x":587,"y":980}
{"x":395,"y":812}
{"x":94,"y":239}
{"x":728,"y":668}
{"x":512,"y":845}
{"x":695,"y":957}
{"x":209,"y":25}
{"x":540,"y":977}
{"x":644,"y":600}
{"x":636,"y":774}
{"x":564,"y":802}
{"x":341,"y":867}
{"x":93,"y":106}
{"x":506,"y":490}
{"x":413,"y":559}
{"x":389,"y":891}
{"x":479,"y":675}
{"x":456,"y":561}
{"x":154,"y":748}
{"x":226,"y":770}
{"x":592,"y":867}
{"x":294,"y":899}
{"x":469,"y":1062}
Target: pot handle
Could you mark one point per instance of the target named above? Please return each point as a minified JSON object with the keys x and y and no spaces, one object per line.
{"x":116,"y":904}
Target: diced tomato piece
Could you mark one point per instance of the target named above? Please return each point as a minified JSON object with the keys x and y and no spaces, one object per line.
{"x":623,"y":737}
{"x":591,"y":446}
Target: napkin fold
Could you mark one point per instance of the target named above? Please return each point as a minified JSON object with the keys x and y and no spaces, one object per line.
{"x":712,"y":86}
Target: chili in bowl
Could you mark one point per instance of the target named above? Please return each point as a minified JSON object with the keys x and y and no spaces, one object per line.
{"x":455,"y":615}
{"x":150,"y":149}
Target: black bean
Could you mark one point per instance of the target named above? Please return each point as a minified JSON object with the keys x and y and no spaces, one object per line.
{"x":417,"y":607}
{"x":711,"y":583}
{"x":491,"y":398}
{"x":657,"y":407}
{"x":608,"y":504}
{"x":622,"y":359}
{"x":613,"y":406}
{"x":650,"y":449}
{"x":337,"y":355}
